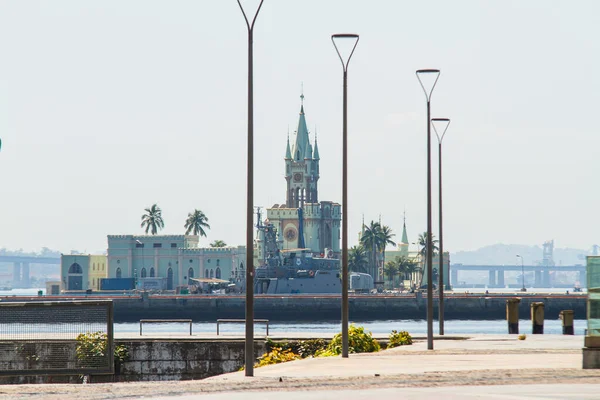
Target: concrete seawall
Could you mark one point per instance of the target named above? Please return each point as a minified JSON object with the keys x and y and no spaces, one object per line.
{"x":149,"y":360}
{"x":326,"y":307}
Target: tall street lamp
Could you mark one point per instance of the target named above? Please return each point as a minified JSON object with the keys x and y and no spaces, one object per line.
{"x":522,"y":273}
{"x":421,"y":74}
{"x":249,"y":349}
{"x":445,"y":123}
{"x":354,"y":37}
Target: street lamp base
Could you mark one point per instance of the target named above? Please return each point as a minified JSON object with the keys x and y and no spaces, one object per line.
{"x":523,"y":290}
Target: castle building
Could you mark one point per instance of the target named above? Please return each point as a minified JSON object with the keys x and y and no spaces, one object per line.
{"x":175,"y":258}
{"x":302,"y":213}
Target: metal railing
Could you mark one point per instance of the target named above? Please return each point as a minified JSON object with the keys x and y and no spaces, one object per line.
{"x":165,"y":321}
{"x":56,"y":338}
{"x":233,"y":321}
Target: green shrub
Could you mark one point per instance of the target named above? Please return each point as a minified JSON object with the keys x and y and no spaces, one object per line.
{"x":401,"y":338}
{"x":91,"y":350}
{"x":276,"y":356}
{"x":310,"y":347}
{"x":304,"y":348}
{"x":359,"y":341}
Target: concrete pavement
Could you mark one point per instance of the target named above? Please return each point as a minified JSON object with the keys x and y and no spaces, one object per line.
{"x":481,"y":366}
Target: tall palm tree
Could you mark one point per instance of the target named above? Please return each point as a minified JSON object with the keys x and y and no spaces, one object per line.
{"x":385,"y":238}
{"x":405,"y":266}
{"x":371,"y":241}
{"x":391,"y":269}
{"x":196,"y":222}
{"x":357,"y":259}
{"x":218,"y":243}
{"x":423,"y":244}
{"x":152,"y":219}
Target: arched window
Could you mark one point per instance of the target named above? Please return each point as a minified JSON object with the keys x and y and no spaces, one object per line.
{"x":218,"y":262}
{"x":191,"y":273}
{"x":143,"y":272}
{"x":152,"y":272}
{"x":119,"y":272}
{"x":75,"y":269}
{"x":212,"y":273}
{"x":218,"y":273}
{"x":206,"y":273}
{"x":93,"y":266}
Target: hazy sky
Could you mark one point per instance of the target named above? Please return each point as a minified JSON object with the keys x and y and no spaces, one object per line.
{"x":109,"y":106}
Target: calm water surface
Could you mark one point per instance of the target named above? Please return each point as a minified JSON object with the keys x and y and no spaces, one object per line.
{"x":415,"y":327}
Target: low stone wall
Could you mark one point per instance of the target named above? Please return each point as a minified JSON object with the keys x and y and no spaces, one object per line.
{"x":182,"y":359}
{"x":152,"y":360}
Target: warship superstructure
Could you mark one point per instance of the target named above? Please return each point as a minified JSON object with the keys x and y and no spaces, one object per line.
{"x":294,"y":270}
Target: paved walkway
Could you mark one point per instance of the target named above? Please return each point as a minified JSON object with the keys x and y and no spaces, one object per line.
{"x":498,"y":366}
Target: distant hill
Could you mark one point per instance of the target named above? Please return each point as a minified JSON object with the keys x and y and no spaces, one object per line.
{"x":505,"y":254}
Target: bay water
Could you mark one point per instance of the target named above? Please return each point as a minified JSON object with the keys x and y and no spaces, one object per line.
{"x":381,"y":327}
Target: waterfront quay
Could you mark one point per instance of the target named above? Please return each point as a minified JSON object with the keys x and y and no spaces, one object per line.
{"x":325,"y":308}
{"x":470,"y":366}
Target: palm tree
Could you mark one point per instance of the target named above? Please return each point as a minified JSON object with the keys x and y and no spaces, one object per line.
{"x":371,"y":241}
{"x":218,"y":243}
{"x":152,"y":220}
{"x":423,"y":244}
{"x":357,"y":259}
{"x":196,"y":222}
{"x":405,"y":266}
{"x":385,"y":237}
{"x":391,"y":269}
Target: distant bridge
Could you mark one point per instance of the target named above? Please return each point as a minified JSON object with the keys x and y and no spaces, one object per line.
{"x":543,"y":275}
{"x":21,"y":267}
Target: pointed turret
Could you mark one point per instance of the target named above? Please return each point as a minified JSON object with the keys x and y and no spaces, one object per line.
{"x":316,"y":152}
{"x":302,"y":142}
{"x":288,"y":153}
{"x":403,"y":245}
{"x":308,"y":153}
{"x":404,"y":235}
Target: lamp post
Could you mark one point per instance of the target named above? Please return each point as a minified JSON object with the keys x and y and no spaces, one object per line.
{"x":446,"y":123}
{"x":249,"y":347}
{"x":429,"y":255}
{"x":522,"y":273}
{"x":355,"y":37}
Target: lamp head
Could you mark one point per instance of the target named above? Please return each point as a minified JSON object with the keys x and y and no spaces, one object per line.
{"x":445,"y":122}
{"x":342,"y":36}
{"x":428,"y":75}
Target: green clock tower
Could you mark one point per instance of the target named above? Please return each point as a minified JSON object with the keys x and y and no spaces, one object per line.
{"x":320,"y":219}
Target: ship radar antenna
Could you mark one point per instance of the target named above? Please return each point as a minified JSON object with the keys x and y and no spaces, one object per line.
{"x":258,"y":223}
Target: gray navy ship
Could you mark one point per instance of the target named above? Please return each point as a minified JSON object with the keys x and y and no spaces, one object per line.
{"x":298,"y":271}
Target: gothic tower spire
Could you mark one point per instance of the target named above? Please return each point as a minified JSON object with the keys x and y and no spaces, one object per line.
{"x":316,"y":151}
{"x":302,"y":140}
{"x":288,"y":153}
{"x":302,"y":167}
{"x":404,"y":235}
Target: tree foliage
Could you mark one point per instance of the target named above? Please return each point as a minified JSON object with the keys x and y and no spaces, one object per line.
{"x":423,"y":244}
{"x":357,"y":259}
{"x":196,"y":222}
{"x":152,"y":219}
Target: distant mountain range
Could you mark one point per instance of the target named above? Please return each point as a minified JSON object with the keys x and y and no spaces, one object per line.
{"x":505,"y":254}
